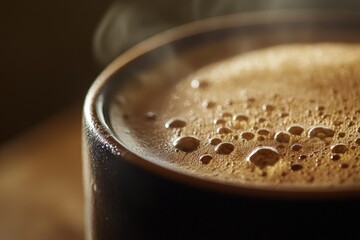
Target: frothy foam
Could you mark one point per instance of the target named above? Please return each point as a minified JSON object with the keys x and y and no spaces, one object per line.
{"x":286,"y":115}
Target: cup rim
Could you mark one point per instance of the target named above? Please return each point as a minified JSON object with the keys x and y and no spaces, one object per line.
{"x":95,"y":119}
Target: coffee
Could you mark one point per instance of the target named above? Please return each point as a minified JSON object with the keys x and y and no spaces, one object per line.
{"x":285,"y":116}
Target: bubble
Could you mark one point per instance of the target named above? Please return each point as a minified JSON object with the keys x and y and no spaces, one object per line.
{"x":337,"y":122}
{"x":282,"y":137}
{"x":263,"y":131}
{"x":260,"y":138}
{"x":261,"y":119}
{"x":358,"y":130}
{"x":283,"y":114}
{"x":357,"y":141}
{"x":240,"y":117}
{"x":224,"y":148}
{"x":268,"y":107}
{"x":296,"y":147}
{"x":351,"y":123}
{"x":219,"y":121}
{"x":338,"y":148}
{"x":247,"y":135}
{"x":320,"y":132}
{"x":175,"y":123}
{"x":320,"y":108}
{"x":187,"y":143}
{"x":296,"y":167}
{"x":263,"y":156}
{"x":344,"y":165}
{"x":199,"y":83}
{"x":341,"y":134}
{"x":215,"y":141}
{"x":150,"y":116}
{"x":223,"y":130}
{"x":295,"y":130}
{"x":250,"y":100}
{"x":226,"y":115}
{"x":335,"y":157}
{"x":302,"y":157}
{"x":208,"y":104}
{"x":205,"y":159}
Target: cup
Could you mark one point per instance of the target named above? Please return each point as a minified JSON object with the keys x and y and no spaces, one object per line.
{"x":130,"y":197}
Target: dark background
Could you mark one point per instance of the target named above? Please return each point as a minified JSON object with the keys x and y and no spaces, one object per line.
{"x":46,"y":59}
{"x":47,"y":47}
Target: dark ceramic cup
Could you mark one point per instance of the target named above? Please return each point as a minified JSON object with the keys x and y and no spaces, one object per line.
{"x":130,"y":197}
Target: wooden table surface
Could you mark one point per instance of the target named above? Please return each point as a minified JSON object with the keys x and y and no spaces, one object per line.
{"x":41,"y":194}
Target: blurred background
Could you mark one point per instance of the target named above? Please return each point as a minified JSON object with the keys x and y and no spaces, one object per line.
{"x":51,"y":52}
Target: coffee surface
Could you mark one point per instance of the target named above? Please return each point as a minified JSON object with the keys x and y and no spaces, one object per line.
{"x":286,"y":115}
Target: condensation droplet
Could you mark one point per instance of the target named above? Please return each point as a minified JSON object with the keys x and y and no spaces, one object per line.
{"x":338,"y":148}
{"x":175,"y":123}
{"x":208,"y":104}
{"x":223,"y":130}
{"x":296,"y":147}
{"x":335,"y":157}
{"x":296,"y":167}
{"x":219,"y":121}
{"x":240,"y":117}
{"x":263,"y":156}
{"x":263,"y":131}
{"x":282,"y":137}
{"x":205,"y":159}
{"x":247,"y":135}
{"x":199,"y":83}
{"x":215,"y":141}
{"x":150,"y":116}
{"x":224,"y":148}
{"x":268,"y":107}
{"x":320,"y":132}
{"x":187,"y":143}
{"x":295,"y":130}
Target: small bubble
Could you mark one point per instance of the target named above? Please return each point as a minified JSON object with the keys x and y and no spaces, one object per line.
{"x":283,"y":114}
{"x":263,"y":131}
{"x":302,"y":157}
{"x":219,"y":121}
{"x":319,"y":108}
{"x":197,"y":83}
{"x":250,"y":99}
{"x":247,"y":135}
{"x":358,"y":130}
{"x":236,"y":137}
{"x":268,"y":107}
{"x":186,"y":144}
{"x":205,"y":159}
{"x":339,"y":148}
{"x":321,"y":132}
{"x":224,"y":148}
{"x":344,"y":165}
{"x":175,"y":123}
{"x":240,"y":117}
{"x":337,"y":123}
{"x":282,"y":137}
{"x":357,"y":141}
{"x":341,"y":134}
{"x":296,"y":147}
{"x":260,"y":138}
{"x":335,"y":157}
{"x":215,"y":141}
{"x":226,"y":115}
{"x":351,"y":123}
{"x":295,"y":130}
{"x":208,"y":104}
{"x":223,"y":130}
{"x":262,"y":156}
{"x":261,"y":119}
{"x":296,"y":167}
{"x":150,"y":116}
